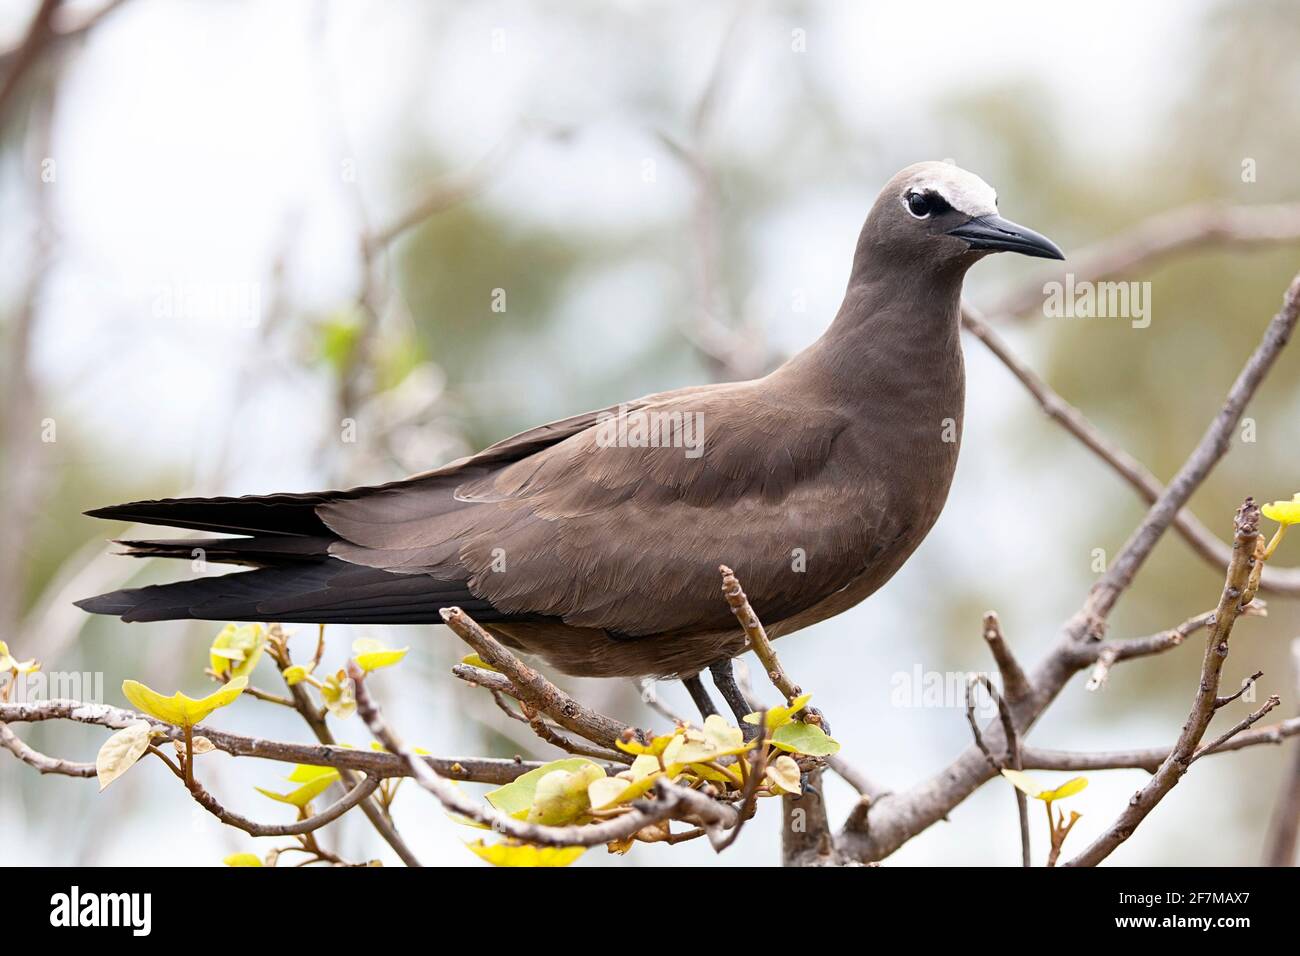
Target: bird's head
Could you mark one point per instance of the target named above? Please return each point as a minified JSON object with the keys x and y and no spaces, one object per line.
{"x":939,"y":212}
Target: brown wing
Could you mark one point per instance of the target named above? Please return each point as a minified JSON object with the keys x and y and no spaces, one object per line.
{"x":628,"y":539}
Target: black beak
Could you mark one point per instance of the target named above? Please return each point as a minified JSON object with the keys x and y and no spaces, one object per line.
{"x":1002,"y":235}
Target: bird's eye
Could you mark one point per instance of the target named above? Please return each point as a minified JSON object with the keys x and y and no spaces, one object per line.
{"x":919,"y":204}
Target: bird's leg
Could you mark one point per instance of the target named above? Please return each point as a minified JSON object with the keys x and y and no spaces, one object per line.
{"x":725,"y":680}
{"x":701,"y":696}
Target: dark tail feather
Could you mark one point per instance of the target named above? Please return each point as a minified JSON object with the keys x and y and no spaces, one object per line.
{"x":322,"y":592}
{"x":261,"y":551}
{"x":293,"y":514}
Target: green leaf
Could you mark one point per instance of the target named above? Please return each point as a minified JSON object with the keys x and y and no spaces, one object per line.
{"x":339,"y":335}
{"x":518,"y":795}
{"x":120,"y":752}
{"x":525,"y":854}
{"x":807,"y":739}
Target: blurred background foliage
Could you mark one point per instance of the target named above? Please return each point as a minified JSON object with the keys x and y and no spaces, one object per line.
{"x":215,"y":145}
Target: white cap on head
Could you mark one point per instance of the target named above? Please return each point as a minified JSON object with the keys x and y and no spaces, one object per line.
{"x":962,"y":190}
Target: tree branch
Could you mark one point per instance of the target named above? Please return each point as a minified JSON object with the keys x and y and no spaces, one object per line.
{"x":1205,"y":703}
{"x":531,"y":688}
{"x":897,"y":817}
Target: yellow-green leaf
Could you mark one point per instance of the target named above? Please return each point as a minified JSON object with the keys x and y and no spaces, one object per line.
{"x":780,"y":716}
{"x":561,"y":795}
{"x":691,"y":747}
{"x":655,"y":747}
{"x":607,"y":791}
{"x":120,"y":752}
{"x":784,"y":773}
{"x":1283,"y":512}
{"x":801,"y":738}
{"x":178,"y":709}
{"x":309,"y":791}
{"x":525,"y":854}
{"x":518,"y":795}
{"x":1022,"y":781}
{"x":473,"y":660}
{"x":1067,"y":789}
{"x":242,"y":859}
{"x":371,"y":654}
{"x":9,"y":663}
{"x":237,"y":649}
{"x":307,"y":773}
{"x":339,"y":694}
{"x":723,"y":735}
{"x":625,"y":786}
{"x":1027,"y":784}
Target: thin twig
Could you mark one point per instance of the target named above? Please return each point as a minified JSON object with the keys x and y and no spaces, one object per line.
{"x":1150,"y":758}
{"x":532,"y":688}
{"x":1244,"y":724}
{"x":757,"y":635}
{"x":1180,"y":758}
{"x":1015,"y":685}
{"x":1012,"y":758}
{"x":1201,"y":539}
{"x":350,"y":799}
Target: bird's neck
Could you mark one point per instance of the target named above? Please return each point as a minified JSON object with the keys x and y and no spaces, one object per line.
{"x":897,"y":330}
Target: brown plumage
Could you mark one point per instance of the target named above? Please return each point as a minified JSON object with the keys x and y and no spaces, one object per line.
{"x":815,"y":483}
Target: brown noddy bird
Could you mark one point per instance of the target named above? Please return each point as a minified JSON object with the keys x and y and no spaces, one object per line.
{"x":589,"y":543}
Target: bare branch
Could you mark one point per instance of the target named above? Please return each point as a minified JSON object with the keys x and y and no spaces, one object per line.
{"x":1202,"y":540}
{"x":757,"y":635}
{"x":1015,"y":685}
{"x":806,"y":837}
{"x":532,"y":688}
{"x":42,"y":762}
{"x":1150,"y":758}
{"x":27,"y":53}
{"x":1244,"y":724}
{"x":64,"y":27}
{"x":1204,"y":706}
{"x":1284,"y":829}
{"x":350,"y":799}
{"x":1012,"y":758}
{"x":897,"y":817}
{"x":372,"y":763}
